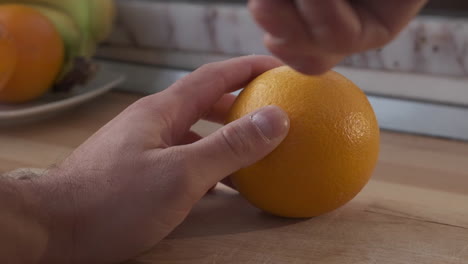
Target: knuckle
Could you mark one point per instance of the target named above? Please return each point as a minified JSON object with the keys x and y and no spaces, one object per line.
{"x":338,"y":38}
{"x":177,"y":170}
{"x":210,"y":68}
{"x":237,"y":142}
{"x":140,"y":107}
{"x":216,"y":73}
{"x":352,"y":32}
{"x":213,"y":69}
{"x":190,"y":180}
{"x":144,"y":104}
{"x":149,"y":109}
{"x":347,"y":42}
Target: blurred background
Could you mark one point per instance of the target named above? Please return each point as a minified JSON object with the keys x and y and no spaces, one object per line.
{"x":417,"y":84}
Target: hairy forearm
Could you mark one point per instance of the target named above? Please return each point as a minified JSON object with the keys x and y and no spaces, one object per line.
{"x":24,"y":234}
{"x":29,"y":232}
{"x":64,"y":217}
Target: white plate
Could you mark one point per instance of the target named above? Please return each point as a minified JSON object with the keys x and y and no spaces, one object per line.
{"x":52,"y":104}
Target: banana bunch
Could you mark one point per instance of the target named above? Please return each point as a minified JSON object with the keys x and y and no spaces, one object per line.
{"x":83,"y":24}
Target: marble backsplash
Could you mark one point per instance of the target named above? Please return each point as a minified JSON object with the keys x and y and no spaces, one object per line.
{"x":429,"y":45}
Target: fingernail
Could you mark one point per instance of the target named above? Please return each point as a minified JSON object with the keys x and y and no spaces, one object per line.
{"x":272,"y":122}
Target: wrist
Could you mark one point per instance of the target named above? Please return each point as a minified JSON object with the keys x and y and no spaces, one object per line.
{"x":24,"y":231}
{"x":49,"y":206}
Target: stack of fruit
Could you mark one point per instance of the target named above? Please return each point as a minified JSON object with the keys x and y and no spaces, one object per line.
{"x":48,"y":45}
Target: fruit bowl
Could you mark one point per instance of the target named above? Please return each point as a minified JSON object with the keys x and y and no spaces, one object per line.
{"x":55,"y":103}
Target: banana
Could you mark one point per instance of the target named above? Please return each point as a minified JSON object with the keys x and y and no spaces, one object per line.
{"x":102,"y":15}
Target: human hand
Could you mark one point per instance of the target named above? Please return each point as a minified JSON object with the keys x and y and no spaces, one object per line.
{"x":137,"y":178}
{"x":312,"y":36}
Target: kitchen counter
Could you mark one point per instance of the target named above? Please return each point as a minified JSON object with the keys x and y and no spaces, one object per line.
{"x":414,"y":210}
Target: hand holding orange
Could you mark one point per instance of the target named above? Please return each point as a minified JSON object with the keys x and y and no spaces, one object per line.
{"x":331,"y":149}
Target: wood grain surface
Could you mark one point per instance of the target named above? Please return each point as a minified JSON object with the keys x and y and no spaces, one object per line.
{"x":414,"y":210}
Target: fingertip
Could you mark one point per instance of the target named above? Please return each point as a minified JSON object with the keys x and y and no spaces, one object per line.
{"x":302,"y":60}
{"x":317,"y":64}
{"x":309,"y":67}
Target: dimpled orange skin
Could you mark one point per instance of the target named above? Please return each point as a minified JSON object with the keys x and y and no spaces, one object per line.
{"x":7,"y":57}
{"x":40,"y":53}
{"x":329,"y":154}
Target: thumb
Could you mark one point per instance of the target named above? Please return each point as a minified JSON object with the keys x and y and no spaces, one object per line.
{"x":237,"y":145}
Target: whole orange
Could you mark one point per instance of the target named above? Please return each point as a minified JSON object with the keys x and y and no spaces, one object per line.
{"x":7,"y":57}
{"x":40,"y":53}
{"x":331,"y":149}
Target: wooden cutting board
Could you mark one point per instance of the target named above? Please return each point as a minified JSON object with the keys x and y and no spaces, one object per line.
{"x":414,"y":210}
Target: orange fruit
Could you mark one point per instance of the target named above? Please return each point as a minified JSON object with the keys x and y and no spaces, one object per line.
{"x":40,"y":53}
{"x":7,"y":57}
{"x":329,"y":154}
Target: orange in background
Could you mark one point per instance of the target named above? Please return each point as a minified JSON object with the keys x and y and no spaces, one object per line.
{"x":7,"y":57}
{"x":40,"y":53}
